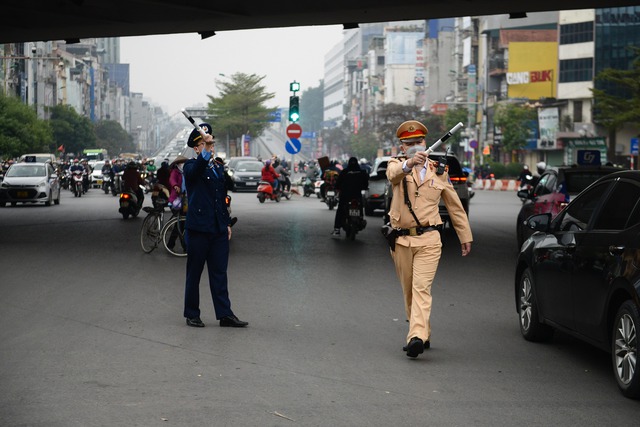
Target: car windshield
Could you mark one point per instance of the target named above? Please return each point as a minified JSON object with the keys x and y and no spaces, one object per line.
{"x":26,"y":171}
{"x":248,"y":167}
{"x":578,"y":181}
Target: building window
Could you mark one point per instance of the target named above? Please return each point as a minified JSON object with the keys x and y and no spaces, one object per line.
{"x":580,"y":32}
{"x":577,"y":111}
{"x":576,"y":70}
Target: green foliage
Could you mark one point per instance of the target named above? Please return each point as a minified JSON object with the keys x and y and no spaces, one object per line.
{"x":390,"y":116}
{"x":612,"y":111}
{"x":363,"y":144}
{"x":312,"y":108}
{"x":71,"y":129}
{"x":240,"y":107}
{"x":452,"y":118}
{"x":113,"y":138}
{"x":498,"y":170}
{"x":512,"y":119}
{"x":20,"y":129}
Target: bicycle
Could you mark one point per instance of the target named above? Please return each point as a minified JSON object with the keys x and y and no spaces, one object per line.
{"x":155,"y":230}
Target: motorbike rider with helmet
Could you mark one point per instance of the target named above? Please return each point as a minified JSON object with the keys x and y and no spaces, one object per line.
{"x":270,"y":175}
{"x":132,"y":180}
{"x":350,"y":184}
{"x":107,"y":170}
{"x":283,"y":173}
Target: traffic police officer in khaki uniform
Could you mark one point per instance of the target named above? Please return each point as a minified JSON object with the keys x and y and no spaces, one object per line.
{"x":418,"y":246}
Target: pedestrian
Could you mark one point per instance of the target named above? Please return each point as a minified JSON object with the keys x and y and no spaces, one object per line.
{"x":208,"y":230}
{"x":418,"y":184}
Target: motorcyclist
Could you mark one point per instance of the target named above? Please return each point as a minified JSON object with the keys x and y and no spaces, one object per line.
{"x":107,"y":170}
{"x":86,"y":174}
{"x":132,"y":180}
{"x":270,"y":175}
{"x":329,"y":177}
{"x":525,"y":176}
{"x":350,"y":184}
{"x":284,"y":175}
{"x":540,"y":167}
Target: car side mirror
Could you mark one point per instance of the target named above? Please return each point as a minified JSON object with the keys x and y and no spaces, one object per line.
{"x":540,"y":222}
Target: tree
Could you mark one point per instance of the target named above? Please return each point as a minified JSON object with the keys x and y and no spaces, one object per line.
{"x":363,"y":144}
{"x":513,"y":120}
{"x":617,"y":100}
{"x":20,"y":129}
{"x":390,"y":116}
{"x":113,"y":138}
{"x":71,"y":130}
{"x":452,"y":117}
{"x":240,"y":107}
{"x":312,"y":108}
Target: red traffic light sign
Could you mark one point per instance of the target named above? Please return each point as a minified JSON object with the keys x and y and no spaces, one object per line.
{"x":294,"y":131}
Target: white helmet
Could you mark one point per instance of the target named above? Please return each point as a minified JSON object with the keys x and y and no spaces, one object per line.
{"x":541,"y":166}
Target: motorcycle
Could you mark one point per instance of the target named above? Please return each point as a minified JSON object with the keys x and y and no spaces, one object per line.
{"x":331,"y":197}
{"x":266,"y":192}
{"x":525,"y":185}
{"x":77,"y":185}
{"x":354,"y":220}
{"x":308,"y":187}
{"x":107,"y":183}
{"x":129,"y":205}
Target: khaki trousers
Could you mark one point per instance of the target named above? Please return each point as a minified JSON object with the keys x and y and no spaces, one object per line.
{"x":416,"y":268}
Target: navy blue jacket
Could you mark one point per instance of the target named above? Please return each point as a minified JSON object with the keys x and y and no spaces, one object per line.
{"x":207,"y":211}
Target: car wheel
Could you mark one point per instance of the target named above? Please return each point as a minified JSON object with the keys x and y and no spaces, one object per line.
{"x":48,"y":202}
{"x":2,"y":204}
{"x":624,"y":349}
{"x":57,"y":200}
{"x":530,"y":326}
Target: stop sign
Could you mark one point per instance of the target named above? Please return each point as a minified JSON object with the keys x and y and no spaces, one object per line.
{"x":294,"y":131}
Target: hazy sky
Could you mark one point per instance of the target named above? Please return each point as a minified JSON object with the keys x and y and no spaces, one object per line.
{"x":178,"y":71}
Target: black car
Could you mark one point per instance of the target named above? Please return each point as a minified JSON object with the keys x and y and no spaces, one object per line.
{"x":458,"y":179}
{"x":246,"y":174}
{"x":554,"y":189}
{"x":580,"y":273}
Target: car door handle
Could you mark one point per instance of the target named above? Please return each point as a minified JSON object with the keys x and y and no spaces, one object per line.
{"x":616,"y":250}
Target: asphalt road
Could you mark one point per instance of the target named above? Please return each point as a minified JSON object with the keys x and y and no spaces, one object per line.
{"x":93,"y":335}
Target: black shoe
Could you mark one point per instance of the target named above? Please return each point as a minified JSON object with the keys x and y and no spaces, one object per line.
{"x":233,"y":322}
{"x":415,"y":347}
{"x":195,"y":322}
{"x":427,"y":346}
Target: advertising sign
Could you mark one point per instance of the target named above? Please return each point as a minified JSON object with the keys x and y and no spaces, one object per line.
{"x":532,"y":70}
{"x":548,"y":121}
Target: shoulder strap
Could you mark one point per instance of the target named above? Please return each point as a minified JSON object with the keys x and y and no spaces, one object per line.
{"x":406,"y":200}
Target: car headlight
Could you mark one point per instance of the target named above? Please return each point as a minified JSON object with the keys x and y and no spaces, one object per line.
{"x":230,"y":173}
{"x":42,"y":184}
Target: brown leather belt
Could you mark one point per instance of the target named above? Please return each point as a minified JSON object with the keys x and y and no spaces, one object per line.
{"x":416,"y":231}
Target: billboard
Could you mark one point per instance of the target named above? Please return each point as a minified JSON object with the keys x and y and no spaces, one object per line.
{"x":532,"y":70}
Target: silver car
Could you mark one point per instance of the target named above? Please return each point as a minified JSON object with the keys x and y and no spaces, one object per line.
{"x":30,"y":183}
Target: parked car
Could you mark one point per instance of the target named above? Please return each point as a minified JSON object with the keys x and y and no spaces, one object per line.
{"x":555,"y":188}
{"x":374,"y":196}
{"x":30,"y":182}
{"x":579,"y":272}
{"x":458,"y":179}
{"x":246,"y":175}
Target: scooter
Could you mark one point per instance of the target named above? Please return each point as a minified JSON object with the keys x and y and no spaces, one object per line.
{"x":129,"y":205}
{"x":525,"y":185}
{"x":308,"y":187}
{"x":331,"y":197}
{"x":354,"y":220}
{"x":76,"y":183}
{"x":107,"y":183}
{"x":266,"y":192}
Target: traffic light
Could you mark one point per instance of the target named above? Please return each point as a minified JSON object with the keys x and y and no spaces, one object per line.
{"x":294,"y":87}
{"x":294,"y":109}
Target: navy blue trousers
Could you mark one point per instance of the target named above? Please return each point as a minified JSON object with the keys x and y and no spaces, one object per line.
{"x":212,"y":249}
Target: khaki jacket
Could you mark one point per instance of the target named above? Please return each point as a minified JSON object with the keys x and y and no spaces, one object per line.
{"x":424,"y":197}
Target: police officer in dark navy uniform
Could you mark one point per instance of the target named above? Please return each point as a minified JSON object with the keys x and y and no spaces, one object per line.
{"x":208,"y":230}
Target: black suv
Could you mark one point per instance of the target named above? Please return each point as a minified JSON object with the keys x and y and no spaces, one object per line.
{"x":458,"y":178}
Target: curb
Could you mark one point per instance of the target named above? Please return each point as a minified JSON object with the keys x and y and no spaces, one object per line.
{"x":496,"y":184}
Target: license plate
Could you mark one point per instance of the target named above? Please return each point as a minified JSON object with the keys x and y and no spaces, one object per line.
{"x":125,"y":204}
{"x":331,"y":193}
{"x":22,"y":194}
{"x":251,"y":184}
{"x":354,"y":212}
{"x":99,"y":182}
